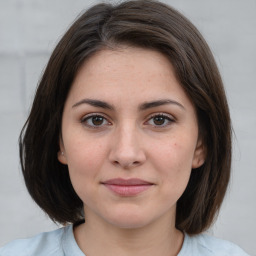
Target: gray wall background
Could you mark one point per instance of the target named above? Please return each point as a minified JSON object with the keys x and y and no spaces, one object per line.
{"x":29,"y":29}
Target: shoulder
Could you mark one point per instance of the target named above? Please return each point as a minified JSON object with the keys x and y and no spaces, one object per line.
{"x":207,"y":245}
{"x":47,"y":243}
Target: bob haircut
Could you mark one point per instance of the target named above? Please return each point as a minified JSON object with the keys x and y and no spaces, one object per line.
{"x":146,"y":24}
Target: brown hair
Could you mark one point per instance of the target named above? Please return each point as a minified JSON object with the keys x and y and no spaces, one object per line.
{"x":147,"y":24}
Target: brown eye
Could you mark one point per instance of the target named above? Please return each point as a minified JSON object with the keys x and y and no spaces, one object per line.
{"x":97,"y":120}
{"x":94,"y":121}
{"x":160,"y":120}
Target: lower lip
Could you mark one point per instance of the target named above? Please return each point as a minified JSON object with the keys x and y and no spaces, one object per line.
{"x":124,"y":190}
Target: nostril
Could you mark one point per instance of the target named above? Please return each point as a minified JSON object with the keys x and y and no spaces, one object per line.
{"x":126,"y":164}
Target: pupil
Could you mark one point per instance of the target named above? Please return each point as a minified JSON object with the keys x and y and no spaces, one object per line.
{"x":97,"y":120}
{"x":159,"y":120}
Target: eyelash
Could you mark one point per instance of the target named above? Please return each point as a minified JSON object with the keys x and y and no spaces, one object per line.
{"x":85,"y":120}
{"x":167,"y":118}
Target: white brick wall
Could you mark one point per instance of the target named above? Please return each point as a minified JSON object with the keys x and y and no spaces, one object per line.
{"x":29,"y":29}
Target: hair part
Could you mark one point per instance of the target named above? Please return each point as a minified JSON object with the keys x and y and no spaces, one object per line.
{"x":147,"y":24}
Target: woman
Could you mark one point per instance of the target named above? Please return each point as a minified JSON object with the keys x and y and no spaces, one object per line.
{"x":128,"y":142}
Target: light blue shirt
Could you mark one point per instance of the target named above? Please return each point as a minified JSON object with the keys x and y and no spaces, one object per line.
{"x":61,"y":242}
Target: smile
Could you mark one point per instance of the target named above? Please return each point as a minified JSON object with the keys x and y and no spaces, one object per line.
{"x":126,"y":188}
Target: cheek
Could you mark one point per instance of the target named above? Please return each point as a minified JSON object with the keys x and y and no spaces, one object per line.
{"x":175,"y":153}
{"x":84,"y":160}
{"x":82,"y":150}
{"x":173,"y":160}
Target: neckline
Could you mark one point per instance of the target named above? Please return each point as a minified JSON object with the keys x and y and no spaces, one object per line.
{"x":70,"y":246}
{"x":184,"y":248}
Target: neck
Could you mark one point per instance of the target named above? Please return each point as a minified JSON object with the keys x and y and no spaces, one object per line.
{"x":158,"y":238}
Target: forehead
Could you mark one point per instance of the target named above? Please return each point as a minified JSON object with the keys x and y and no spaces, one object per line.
{"x":127,"y":73}
{"x":132,"y":59}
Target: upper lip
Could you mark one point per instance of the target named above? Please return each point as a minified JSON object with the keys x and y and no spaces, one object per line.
{"x":127,"y":182}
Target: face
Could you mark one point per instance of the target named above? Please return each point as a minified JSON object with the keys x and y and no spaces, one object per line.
{"x":129,"y":137}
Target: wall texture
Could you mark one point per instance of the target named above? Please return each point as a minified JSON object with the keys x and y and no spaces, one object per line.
{"x":29,"y":29}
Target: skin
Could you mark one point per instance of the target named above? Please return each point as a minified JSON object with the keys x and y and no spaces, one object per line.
{"x":157,"y":144}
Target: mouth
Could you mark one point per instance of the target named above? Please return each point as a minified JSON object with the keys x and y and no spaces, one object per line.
{"x":127,"y":187}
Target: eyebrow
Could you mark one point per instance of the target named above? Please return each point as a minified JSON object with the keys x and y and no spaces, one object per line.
{"x":157,"y":103}
{"x":143,"y":106}
{"x":94,"y":103}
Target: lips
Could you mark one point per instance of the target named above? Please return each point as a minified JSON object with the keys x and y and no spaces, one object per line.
{"x":127,"y":187}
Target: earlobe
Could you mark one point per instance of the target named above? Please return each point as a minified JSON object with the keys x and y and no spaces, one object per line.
{"x":61,"y":154}
{"x":199,"y":155}
{"x":62,"y":157}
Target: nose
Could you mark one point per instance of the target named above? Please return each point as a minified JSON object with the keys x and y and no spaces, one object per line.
{"x":127,"y":151}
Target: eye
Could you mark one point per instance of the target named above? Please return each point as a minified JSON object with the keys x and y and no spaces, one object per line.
{"x":94,"y":121}
{"x":160,"y":120}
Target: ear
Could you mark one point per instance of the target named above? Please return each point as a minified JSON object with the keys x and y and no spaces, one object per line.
{"x":199,"y":154}
{"x":61,"y":153}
